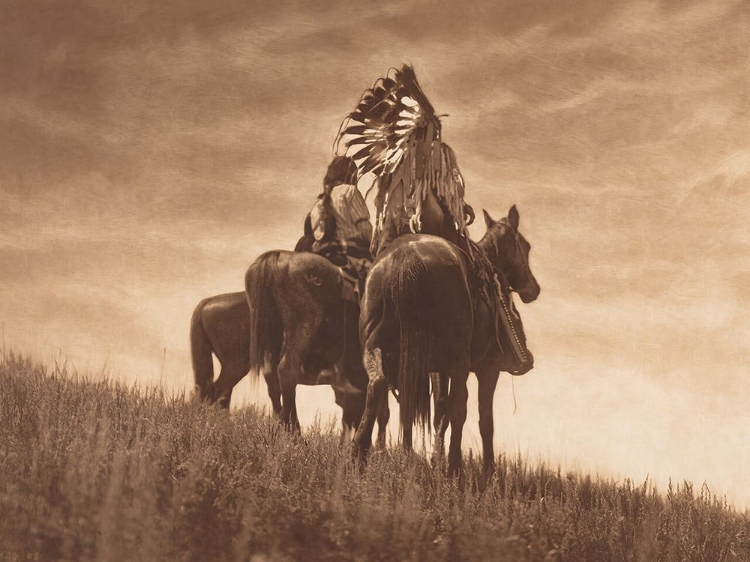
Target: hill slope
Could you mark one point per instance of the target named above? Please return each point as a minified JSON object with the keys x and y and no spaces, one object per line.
{"x":99,"y":471}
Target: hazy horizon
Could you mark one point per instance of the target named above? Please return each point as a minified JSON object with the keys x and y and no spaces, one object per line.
{"x":149,"y":153}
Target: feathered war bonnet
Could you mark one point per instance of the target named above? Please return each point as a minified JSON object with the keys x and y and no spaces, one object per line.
{"x":394,"y":134}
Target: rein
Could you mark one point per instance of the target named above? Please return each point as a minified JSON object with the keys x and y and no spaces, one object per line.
{"x":515,"y":341}
{"x":497,"y":294}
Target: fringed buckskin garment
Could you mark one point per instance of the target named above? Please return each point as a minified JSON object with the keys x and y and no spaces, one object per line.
{"x":342,"y":230}
{"x":351,"y":214}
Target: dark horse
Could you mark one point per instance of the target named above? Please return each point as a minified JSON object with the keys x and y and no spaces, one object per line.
{"x":220,"y":325}
{"x":508,"y":251}
{"x":303,"y":331}
{"x":424,"y":310}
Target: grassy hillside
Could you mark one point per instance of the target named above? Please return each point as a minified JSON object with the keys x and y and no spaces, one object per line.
{"x":98,"y":471}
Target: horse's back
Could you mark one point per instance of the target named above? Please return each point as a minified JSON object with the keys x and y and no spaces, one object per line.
{"x":229,"y":310}
{"x":301,"y":300}
{"x":309,"y":263}
{"x":226,"y":322}
{"x":306,"y":279}
{"x":431,"y":248}
{"x":423,"y":279}
{"x":441,"y":264}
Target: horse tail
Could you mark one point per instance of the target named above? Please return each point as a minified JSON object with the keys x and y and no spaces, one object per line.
{"x":201,"y":352}
{"x":305,"y":243}
{"x":414,"y":341}
{"x":265,"y":320}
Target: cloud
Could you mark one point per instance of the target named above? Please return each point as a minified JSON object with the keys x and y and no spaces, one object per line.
{"x":710,"y":215}
{"x":151,"y":150}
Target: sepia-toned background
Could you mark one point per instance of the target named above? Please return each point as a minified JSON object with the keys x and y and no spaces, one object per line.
{"x":150,"y":151}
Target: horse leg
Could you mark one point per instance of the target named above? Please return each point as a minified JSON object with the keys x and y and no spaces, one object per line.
{"x":296,"y":347}
{"x":457,"y":398}
{"x":349,"y":417}
{"x":377,"y":393}
{"x":487,"y":379}
{"x":296,"y":427}
{"x":223,"y":392}
{"x":384,"y":414}
{"x":274,"y":390}
{"x":440,"y":394}
{"x":345,"y":431}
{"x":289,"y":367}
{"x":229,"y":376}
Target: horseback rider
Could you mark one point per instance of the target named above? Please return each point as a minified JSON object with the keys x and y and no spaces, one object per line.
{"x":395,"y":134}
{"x":340,"y":221}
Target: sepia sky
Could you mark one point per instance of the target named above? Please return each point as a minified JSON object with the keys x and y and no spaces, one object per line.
{"x":150,"y":151}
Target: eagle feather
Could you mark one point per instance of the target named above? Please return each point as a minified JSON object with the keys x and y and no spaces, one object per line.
{"x":394,"y":134}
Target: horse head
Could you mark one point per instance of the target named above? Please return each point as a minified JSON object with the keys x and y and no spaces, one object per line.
{"x":508,"y":250}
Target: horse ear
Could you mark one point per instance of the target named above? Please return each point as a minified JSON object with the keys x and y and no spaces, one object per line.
{"x":488,"y":220}
{"x":513,"y":217}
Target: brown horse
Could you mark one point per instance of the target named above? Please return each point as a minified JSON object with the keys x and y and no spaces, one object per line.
{"x":220,"y":326}
{"x":303,"y":331}
{"x":425,"y":311}
{"x":508,"y":251}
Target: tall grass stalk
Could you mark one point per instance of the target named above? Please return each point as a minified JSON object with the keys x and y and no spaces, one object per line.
{"x":95,"y":470}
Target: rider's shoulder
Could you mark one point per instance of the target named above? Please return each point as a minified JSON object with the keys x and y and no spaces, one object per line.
{"x":344,"y":190}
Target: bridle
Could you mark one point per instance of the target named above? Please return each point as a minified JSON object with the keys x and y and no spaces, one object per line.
{"x":518,"y":260}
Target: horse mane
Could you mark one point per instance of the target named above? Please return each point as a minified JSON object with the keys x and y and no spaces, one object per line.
{"x":480,"y":261}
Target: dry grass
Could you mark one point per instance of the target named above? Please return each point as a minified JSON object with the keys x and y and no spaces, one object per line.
{"x":99,"y":471}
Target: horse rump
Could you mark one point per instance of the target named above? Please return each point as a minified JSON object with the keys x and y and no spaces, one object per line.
{"x":201,"y":354}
